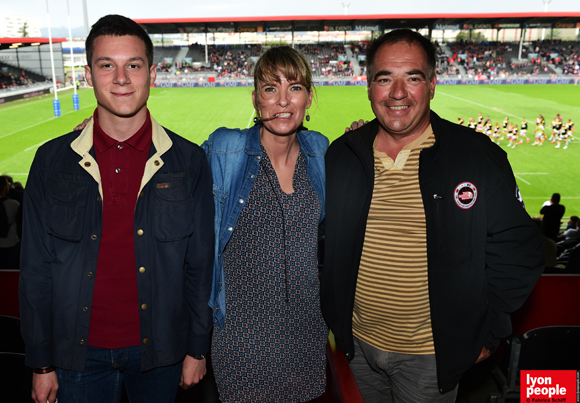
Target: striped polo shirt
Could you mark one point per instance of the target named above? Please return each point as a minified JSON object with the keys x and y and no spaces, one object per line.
{"x":391,"y":309}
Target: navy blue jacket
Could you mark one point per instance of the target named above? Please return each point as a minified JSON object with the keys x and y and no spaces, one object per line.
{"x":173,"y":226}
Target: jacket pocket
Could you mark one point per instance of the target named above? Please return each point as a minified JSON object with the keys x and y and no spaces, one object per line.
{"x":174,"y":209}
{"x":67,"y":199}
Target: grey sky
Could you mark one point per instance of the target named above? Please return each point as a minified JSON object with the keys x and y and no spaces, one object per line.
{"x":243,"y":8}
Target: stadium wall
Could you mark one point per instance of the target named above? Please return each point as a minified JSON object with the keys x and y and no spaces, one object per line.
{"x":24,"y":95}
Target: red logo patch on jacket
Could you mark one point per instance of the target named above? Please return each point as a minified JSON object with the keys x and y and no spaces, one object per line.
{"x":465,"y":195}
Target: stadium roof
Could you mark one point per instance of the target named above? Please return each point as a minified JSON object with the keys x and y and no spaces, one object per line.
{"x":8,"y":43}
{"x":370,"y":22}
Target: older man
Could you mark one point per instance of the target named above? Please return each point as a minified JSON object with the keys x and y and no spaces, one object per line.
{"x":118,"y":239}
{"x":428,"y":246}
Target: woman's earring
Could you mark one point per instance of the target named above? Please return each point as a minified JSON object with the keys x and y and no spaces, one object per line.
{"x":307,"y":116}
{"x":256,"y":119}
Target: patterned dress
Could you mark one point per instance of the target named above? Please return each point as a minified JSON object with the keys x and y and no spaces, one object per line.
{"x":272,"y":345}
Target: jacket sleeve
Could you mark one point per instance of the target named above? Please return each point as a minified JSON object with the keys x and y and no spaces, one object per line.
{"x":199,"y":259}
{"x":514,"y":255}
{"x":35,"y":284}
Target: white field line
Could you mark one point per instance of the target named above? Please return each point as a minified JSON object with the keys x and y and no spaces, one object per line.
{"x":36,"y":145}
{"x":48,"y":120}
{"x":156,"y":95}
{"x":478,"y":104}
{"x":523,"y":180}
{"x":531,"y":173}
{"x":16,"y":173}
{"x":9,"y":108}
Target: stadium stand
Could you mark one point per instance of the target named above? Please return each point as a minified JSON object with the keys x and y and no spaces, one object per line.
{"x":11,"y":77}
{"x":456,"y":60}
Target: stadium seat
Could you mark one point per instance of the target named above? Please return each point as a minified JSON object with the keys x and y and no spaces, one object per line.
{"x":545,"y":348}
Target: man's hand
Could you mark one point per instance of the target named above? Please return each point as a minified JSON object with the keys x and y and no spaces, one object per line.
{"x":483,"y":355}
{"x":193,"y":371}
{"x":82,"y":125}
{"x":355,"y":125}
{"x":44,"y":387}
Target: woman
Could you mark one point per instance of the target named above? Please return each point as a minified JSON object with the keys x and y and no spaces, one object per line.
{"x":269,"y":335}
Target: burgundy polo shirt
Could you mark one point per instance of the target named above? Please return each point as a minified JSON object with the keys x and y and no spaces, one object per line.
{"x":115,"y":309}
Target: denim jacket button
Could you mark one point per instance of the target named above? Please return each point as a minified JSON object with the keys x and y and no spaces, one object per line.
{"x":230,"y":229}
{"x":241,"y":201}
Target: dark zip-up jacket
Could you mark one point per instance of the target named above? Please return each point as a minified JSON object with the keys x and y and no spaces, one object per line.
{"x":173,"y":227}
{"x":484,"y":252}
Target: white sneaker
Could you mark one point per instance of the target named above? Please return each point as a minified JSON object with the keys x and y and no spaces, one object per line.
{"x":558,"y":146}
{"x":565,"y":147}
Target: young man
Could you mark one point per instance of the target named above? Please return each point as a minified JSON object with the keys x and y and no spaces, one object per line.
{"x":118,"y":240}
{"x":427,"y":244}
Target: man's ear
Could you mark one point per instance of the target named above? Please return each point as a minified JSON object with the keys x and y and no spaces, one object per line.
{"x":432,"y":84}
{"x":152,"y":74}
{"x":88,"y":75}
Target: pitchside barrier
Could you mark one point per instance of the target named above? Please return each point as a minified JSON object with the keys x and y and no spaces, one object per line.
{"x":361,"y":81}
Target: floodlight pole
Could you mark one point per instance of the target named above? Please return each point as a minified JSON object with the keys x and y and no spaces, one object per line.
{"x":206,"y":47}
{"x":76,"y":105}
{"x":86,"y":18}
{"x":521,"y":43}
{"x":56,"y":102}
{"x":345,"y":8}
{"x":546,"y":2}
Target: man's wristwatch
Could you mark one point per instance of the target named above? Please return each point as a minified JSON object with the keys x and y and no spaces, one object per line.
{"x":198,"y":356}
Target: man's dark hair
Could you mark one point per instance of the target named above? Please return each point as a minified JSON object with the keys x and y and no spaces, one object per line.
{"x":397,"y":36}
{"x":556,"y":198}
{"x":117,"y":25}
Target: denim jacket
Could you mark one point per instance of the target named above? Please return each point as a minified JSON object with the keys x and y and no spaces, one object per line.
{"x":173,"y":251}
{"x":234,"y":156}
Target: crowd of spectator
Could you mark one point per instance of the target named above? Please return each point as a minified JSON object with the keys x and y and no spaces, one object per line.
{"x":9,"y":80}
{"x":329,"y":59}
{"x":474,"y":60}
{"x":561,"y":54}
{"x":228,"y":61}
{"x":498,"y":59}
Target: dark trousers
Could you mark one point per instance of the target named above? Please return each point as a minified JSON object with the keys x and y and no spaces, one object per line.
{"x":107,"y":370}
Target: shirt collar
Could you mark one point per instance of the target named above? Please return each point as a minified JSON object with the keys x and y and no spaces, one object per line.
{"x":138,"y":141}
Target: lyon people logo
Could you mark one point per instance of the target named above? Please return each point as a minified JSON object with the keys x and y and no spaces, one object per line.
{"x":465,"y":195}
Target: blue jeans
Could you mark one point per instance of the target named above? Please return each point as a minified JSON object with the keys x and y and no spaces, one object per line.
{"x":383,"y":376}
{"x":104,"y":374}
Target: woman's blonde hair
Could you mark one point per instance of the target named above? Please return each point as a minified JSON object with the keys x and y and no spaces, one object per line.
{"x":280,"y":60}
